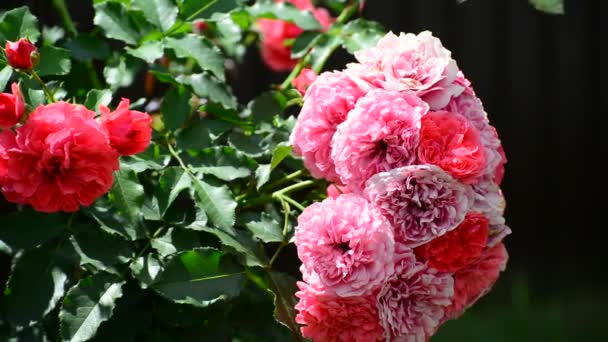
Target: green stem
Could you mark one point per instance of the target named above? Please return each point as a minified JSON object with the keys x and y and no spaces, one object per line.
{"x":284,"y":180}
{"x":292,"y":202}
{"x":46,"y":90}
{"x":294,"y":187}
{"x":296,"y":71}
{"x":65,"y":15}
{"x":178,"y":158}
{"x":200,"y":10}
{"x":293,"y":102}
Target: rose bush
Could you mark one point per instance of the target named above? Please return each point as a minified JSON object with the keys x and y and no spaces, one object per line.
{"x":173,"y":214}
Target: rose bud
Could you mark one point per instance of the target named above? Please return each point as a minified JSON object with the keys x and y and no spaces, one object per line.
{"x":21,"y":54}
{"x":304,"y":79}
{"x":11,"y":107}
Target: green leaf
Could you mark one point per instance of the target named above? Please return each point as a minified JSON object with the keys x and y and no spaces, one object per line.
{"x":176,"y":107}
{"x":111,"y":221}
{"x":280,"y":152}
{"x":262,"y":175}
{"x":285,"y":11}
{"x":284,"y":287}
{"x":323,"y":48}
{"x":267,"y":229}
{"x":248,"y":144}
{"x":200,"y":277}
{"x":191,"y":9}
{"x":50,"y":35}
{"x":242,"y":243}
{"x":32,"y":96}
{"x":149,"y":51}
{"x":216,"y":201}
{"x":127,"y":194}
{"x":160,"y":13}
{"x":175,"y":240}
{"x":361,"y":34}
{"x":222,"y":162}
{"x":5,"y":76}
{"x":146,"y":269}
{"x":549,"y":6}
{"x":150,"y":159}
{"x":201,"y":133}
{"x":264,"y":107}
{"x":18,"y":23}
{"x":87,"y":305}
{"x":208,"y":56}
{"x":225,"y":173}
{"x":200,"y":221}
{"x":35,"y":286}
{"x":115,"y":20}
{"x":98,"y":97}
{"x":53,"y":61}
{"x":28,"y":229}
{"x":122,"y":73}
{"x":303,"y":43}
{"x":209,"y":88}
{"x":228,"y":115}
{"x":100,"y":249}
{"x":87,"y":46}
{"x":172,"y":181}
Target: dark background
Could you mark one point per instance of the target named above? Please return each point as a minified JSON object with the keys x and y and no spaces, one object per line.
{"x":543,"y":81}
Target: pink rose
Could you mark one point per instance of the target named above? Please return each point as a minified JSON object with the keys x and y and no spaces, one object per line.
{"x":129,"y":130}
{"x":412,"y":302}
{"x":473,"y":282}
{"x":304,"y":80}
{"x":326,"y":104}
{"x":499,"y":172}
{"x":490,"y":201}
{"x":59,"y":160}
{"x":345,"y":245}
{"x":274,"y":33}
{"x":11,"y":107}
{"x":334,"y":191}
{"x":449,"y":141}
{"x":381,"y":133}
{"x":21,"y":54}
{"x":421,"y":202}
{"x":417,"y":63}
{"x":7,"y":141}
{"x":328,"y":318}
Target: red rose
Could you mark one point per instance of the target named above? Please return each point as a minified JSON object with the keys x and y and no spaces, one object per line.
{"x":304,"y":79}
{"x":59,"y":159}
{"x":7,"y":141}
{"x":21,"y":54}
{"x":129,"y":130}
{"x":11,"y":107}
{"x":459,"y":247}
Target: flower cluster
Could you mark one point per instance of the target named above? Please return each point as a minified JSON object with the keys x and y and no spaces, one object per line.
{"x":410,"y":234}
{"x":61,"y":156}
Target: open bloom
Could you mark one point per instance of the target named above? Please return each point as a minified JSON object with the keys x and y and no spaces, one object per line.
{"x":11,"y":107}
{"x":21,"y":54}
{"x":421,"y":202}
{"x":417,"y":63}
{"x":346,"y":246}
{"x":7,"y":141}
{"x":329,"y":318}
{"x":381,"y":133}
{"x":474,"y":281}
{"x":411,"y":303}
{"x":275,"y":52}
{"x":59,"y":160}
{"x":449,"y":141}
{"x":129,"y":130}
{"x":490,"y":201}
{"x":457,"y":248}
{"x":326,"y":104}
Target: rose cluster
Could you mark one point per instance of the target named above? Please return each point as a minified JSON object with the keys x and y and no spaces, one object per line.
{"x":411,"y":233}
{"x":61,"y":156}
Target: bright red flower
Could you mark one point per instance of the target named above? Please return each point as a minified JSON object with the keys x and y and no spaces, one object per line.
{"x":129,"y":130}
{"x":304,"y":79}
{"x":459,"y":247}
{"x":59,"y":159}
{"x":21,"y":54}
{"x":11,"y":107}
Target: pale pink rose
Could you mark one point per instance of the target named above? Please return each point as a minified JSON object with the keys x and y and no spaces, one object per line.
{"x":421,"y":202}
{"x":304,"y":80}
{"x":346,"y":246}
{"x":473,"y":282}
{"x":337,"y":319}
{"x":129,"y":131}
{"x":411,"y":303}
{"x":471,"y":108}
{"x":490,"y":201}
{"x":61,"y":159}
{"x":499,"y":173}
{"x":326,"y":104}
{"x":417,"y":63}
{"x":275,"y":53}
{"x":381,"y":133}
{"x":333,"y":190}
{"x":449,"y":141}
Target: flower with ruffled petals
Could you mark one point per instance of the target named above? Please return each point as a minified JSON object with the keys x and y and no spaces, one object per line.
{"x":7,"y":141}
{"x":381,"y":133}
{"x":304,"y":80}
{"x":412,"y":302}
{"x":449,"y":141}
{"x":326,"y":104}
{"x":346,"y":246}
{"x":421,"y":202}
{"x":334,"y":191}
{"x":59,"y":160}
{"x":11,"y":107}
{"x":129,"y":130}
{"x":275,"y":53}
{"x":337,"y":319}
{"x":417,"y":63}
{"x":474,"y":281}
{"x":499,"y":172}
{"x":457,"y":248}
